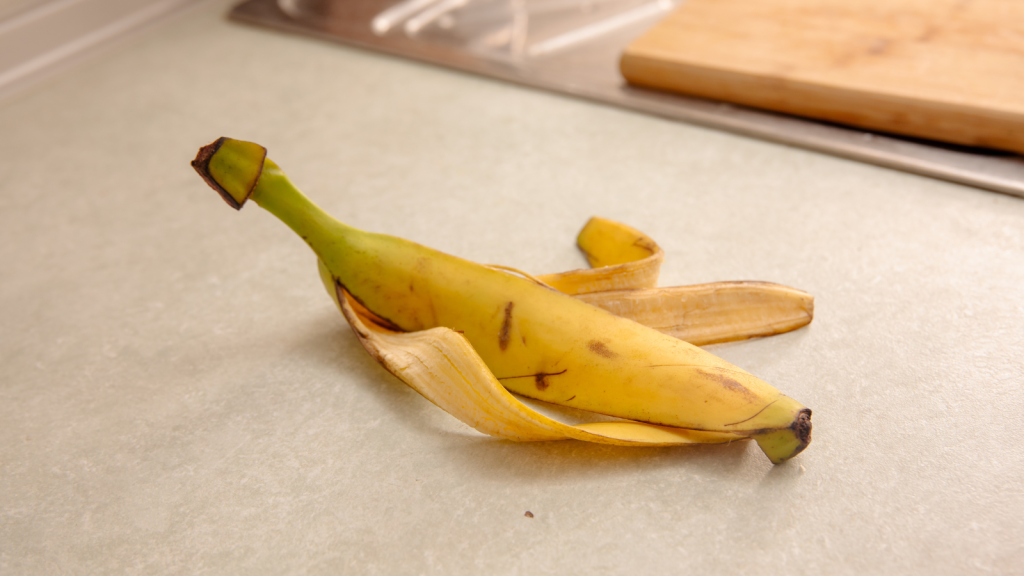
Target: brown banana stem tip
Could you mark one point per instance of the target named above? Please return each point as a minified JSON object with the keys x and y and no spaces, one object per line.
{"x":202,"y":166}
{"x":235,"y":170}
{"x":802,"y":427}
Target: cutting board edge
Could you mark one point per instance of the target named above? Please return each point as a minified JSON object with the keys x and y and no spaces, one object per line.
{"x":958,"y":124}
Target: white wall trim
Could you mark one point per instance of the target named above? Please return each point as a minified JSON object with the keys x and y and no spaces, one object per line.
{"x":38,"y":41}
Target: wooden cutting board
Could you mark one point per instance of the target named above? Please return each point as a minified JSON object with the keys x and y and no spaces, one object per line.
{"x":950,"y":70}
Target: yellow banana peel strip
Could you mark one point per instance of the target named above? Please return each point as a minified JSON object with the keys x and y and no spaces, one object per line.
{"x":621,"y":258}
{"x":442,"y":365}
{"x":711,"y":313}
{"x":626,"y":264}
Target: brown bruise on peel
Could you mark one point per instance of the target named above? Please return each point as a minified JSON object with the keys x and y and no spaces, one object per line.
{"x":539,"y":379}
{"x":601,"y":349}
{"x":645,"y":244}
{"x":725,"y":381}
{"x":728,"y":383}
{"x":506,"y":327}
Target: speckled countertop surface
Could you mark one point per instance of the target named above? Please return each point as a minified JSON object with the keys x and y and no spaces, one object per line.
{"x":178,"y":396}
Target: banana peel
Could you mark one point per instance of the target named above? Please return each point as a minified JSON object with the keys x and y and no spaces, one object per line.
{"x":626,"y":264}
{"x":621,"y":258}
{"x":407,"y":332}
{"x":442,"y":365}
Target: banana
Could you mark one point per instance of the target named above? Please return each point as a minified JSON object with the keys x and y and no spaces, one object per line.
{"x":534,"y":340}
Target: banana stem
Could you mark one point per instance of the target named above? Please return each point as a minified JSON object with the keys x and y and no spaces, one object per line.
{"x":275,"y":193}
{"x":240,"y":170}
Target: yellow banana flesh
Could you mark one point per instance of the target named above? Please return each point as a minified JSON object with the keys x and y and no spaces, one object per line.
{"x":534,"y":340}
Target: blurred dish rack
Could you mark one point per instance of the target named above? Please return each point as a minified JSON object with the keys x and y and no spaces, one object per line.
{"x":573,"y":47}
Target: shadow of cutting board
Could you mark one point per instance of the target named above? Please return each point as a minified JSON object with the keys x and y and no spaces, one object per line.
{"x":949,"y":70}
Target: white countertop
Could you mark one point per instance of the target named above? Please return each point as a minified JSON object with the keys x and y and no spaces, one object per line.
{"x":177,"y":394}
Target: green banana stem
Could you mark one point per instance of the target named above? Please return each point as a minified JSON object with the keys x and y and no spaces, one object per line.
{"x":323,"y":233}
{"x":240,"y":171}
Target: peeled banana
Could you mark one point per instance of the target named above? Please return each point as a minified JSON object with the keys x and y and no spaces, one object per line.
{"x":462,"y":333}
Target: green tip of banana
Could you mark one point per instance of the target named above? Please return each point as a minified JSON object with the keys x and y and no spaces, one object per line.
{"x":781,"y":445}
{"x":231,"y":167}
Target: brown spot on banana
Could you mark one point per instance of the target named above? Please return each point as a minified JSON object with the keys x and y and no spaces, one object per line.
{"x":506,"y":327}
{"x":540,"y":379}
{"x":601,"y":349}
{"x":646,"y":244}
{"x":728,"y":383}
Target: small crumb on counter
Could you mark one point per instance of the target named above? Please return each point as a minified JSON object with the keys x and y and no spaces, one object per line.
{"x":528,"y":514}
